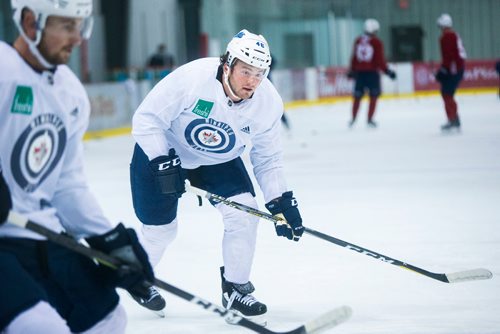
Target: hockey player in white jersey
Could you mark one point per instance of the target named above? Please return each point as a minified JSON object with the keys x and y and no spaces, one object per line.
{"x":195,"y":124}
{"x":44,"y":112}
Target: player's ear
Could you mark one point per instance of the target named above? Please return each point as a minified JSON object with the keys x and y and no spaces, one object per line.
{"x":28,"y":23}
{"x":226,"y":68}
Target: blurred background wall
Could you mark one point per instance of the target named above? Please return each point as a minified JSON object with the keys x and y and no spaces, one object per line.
{"x":301,"y":33}
{"x":311,"y":43}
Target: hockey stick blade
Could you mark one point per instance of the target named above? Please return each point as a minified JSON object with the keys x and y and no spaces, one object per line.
{"x":462,"y":276}
{"x":328,"y":320}
{"x":469,"y":275}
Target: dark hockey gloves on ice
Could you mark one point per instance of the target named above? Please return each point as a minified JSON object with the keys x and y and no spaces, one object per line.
{"x":441,"y":74}
{"x":122,"y":243}
{"x":5,"y":200}
{"x":390,"y":73}
{"x":169,"y":174}
{"x":286,"y":207}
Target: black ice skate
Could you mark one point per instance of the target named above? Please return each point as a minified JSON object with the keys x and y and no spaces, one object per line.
{"x":371,"y":124}
{"x":154,"y":302}
{"x":238,"y":298}
{"x":451,"y":125}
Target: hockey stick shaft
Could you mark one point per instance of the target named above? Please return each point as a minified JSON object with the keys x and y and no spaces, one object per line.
{"x":468,"y":275}
{"x":328,"y":320}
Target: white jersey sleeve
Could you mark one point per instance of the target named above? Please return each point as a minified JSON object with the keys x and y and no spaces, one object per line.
{"x":266,"y":153}
{"x":155,"y":115}
{"x":76,"y":206}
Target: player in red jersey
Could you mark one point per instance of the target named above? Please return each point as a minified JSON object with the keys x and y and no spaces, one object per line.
{"x":366,"y":62}
{"x":451,"y":71}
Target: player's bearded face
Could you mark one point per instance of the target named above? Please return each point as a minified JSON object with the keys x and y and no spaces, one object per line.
{"x":245,"y":79}
{"x":60,"y":36}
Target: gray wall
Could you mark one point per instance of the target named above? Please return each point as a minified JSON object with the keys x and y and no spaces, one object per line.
{"x":475,"y":20}
{"x":155,"y":21}
{"x":152,"y":22}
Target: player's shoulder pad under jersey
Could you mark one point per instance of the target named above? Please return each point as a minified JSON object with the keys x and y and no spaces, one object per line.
{"x":12,"y":64}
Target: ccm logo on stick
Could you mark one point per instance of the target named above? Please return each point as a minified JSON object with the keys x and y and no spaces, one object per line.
{"x":363,"y":251}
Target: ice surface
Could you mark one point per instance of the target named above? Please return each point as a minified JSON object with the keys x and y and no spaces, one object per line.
{"x":404,"y":190}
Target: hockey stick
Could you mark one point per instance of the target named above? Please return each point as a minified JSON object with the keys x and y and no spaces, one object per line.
{"x":325,"y":321}
{"x":461,"y":276}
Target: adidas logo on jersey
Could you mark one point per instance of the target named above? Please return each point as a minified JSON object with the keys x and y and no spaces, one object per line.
{"x":246,"y":129}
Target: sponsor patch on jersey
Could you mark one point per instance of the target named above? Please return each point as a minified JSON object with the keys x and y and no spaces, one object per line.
{"x":209,"y":135}
{"x":23,"y":101}
{"x":203,"y":108}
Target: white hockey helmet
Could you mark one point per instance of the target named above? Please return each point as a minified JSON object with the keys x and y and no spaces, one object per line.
{"x":42,"y":9}
{"x":251,"y":49}
{"x":371,"y":26}
{"x":444,"y":21}
{"x":45,"y":8}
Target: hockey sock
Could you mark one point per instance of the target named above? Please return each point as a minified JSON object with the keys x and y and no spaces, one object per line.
{"x":450,"y":105}
{"x":371,"y":107}
{"x":355,"y":107}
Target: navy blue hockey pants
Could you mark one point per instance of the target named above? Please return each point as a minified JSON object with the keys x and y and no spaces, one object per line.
{"x":153,"y":208}
{"x":36,"y":270}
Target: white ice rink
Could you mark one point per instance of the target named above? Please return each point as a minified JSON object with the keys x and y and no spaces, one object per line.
{"x":404,"y":190}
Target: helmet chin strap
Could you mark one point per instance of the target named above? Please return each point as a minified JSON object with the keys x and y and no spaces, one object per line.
{"x":228,"y":85}
{"x":33,"y":47}
{"x":34,"y":50}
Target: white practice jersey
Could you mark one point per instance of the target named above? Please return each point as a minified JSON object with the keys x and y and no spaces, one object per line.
{"x":189,"y":111}
{"x":43,"y":117}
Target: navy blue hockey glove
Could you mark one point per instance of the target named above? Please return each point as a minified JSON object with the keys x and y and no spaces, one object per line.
{"x":5,"y":200}
{"x":390,"y":73}
{"x":123,"y":244}
{"x":441,"y":74}
{"x":169,"y":174}
{"x":285,"y":207}
{"x":351,"y":74}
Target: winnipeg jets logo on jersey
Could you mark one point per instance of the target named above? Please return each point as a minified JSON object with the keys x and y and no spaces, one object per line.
{"x":209,"y":135}
{"x":37,"y":151}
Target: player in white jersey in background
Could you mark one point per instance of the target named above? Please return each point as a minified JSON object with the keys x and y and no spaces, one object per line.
{"x":195,"y":124}
{"x":44,"y":112}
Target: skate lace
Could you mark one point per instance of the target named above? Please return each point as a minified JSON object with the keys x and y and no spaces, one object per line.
{"x":247,"y":300}
{"x":152,"y":294}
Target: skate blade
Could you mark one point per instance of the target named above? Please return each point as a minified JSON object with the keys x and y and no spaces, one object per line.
{"x":451,"y":131}
{"x":258,"y":319}
{"x":159,"y":313}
